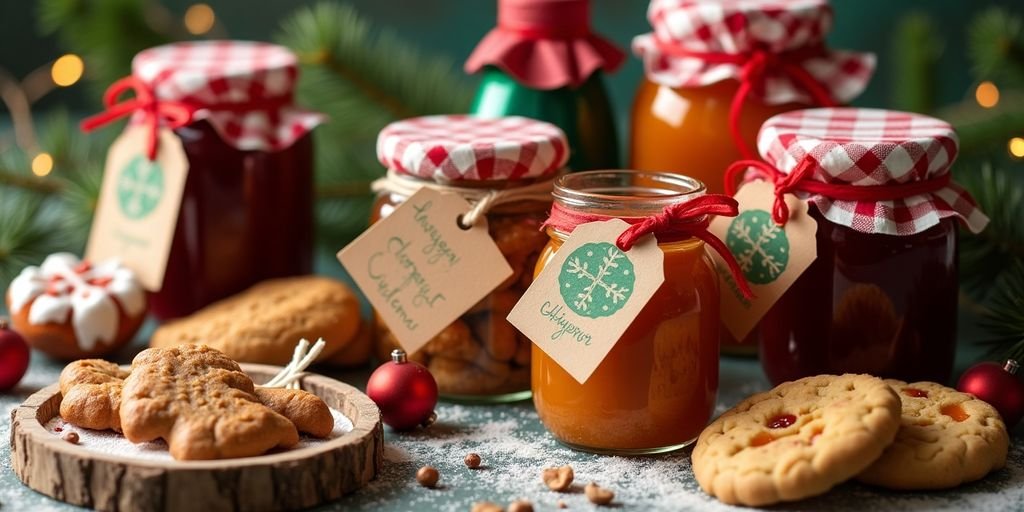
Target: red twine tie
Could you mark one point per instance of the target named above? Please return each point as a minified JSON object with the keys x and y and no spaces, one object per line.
{"x":753,"y":69}
{"x":676,"y":222}
{"x":798,"y":181}
{"x":172,"y":114}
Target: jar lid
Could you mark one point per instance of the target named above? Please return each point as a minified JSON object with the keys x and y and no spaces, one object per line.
{"x":459,"y":147}
{"x":867,"y":148}
{"x":243,"y":89}
{"x":701,"y":42}
{"x":545,"y":44}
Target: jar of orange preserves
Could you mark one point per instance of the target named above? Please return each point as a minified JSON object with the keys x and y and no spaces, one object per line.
{"x":655,"y":390}
{"x":715,"y":71}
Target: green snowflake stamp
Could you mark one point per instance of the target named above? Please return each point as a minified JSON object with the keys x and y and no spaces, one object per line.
{"x":596,"y":280}
{"x":760,"y":246}
{"x":140,"y":187}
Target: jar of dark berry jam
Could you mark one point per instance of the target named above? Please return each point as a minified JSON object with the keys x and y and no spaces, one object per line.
{"x":881,"y":295}
{"x":246,"y":214}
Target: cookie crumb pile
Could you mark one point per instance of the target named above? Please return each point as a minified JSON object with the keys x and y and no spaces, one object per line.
{"x":802,"y":438}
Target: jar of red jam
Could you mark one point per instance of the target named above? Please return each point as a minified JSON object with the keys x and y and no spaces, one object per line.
{"x":511,"y":163}
{"x":246,"y":214}
{"x":881,"y":295}
{"x":715,"y":71}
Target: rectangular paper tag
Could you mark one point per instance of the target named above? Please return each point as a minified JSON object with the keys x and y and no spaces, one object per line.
{"x":770,"y":256}
{"x":588,"y":295}
{"x":138,"y":204}
{"x":420,"y":270}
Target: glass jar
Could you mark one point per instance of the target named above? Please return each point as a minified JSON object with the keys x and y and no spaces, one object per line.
{"x":870,"y":303}
{"x":880,"y":297}
{"x":685,"y":130}
{"x":246,"y":209}
{"x":655,"y":390}
{"x":481,"y":357}
{"x":245,"y":216}
{"x":704,"y":97}
{"x":504,"y":167}
{"x":543,"y":61}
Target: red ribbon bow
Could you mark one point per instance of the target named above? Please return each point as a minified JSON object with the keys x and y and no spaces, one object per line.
{"x":754,"y":66}
{"x":155,"y":113}
{"x":676,"y":222}
{"x":797,"y":181}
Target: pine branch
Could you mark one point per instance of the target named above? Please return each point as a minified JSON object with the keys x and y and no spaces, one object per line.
{"x":1005,"y":316}
{"x":106,"y":33}
{"x":40,"y":185}
{"x":363,"y":79}
{"x":996,"y":46}
{"x":985,"y":257}
{"x":984,"y":130}
{"x":29,"y":230}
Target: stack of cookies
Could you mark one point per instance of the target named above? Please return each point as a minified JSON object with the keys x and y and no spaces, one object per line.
{"x":193,"y":397}
{"x":804,"y":437}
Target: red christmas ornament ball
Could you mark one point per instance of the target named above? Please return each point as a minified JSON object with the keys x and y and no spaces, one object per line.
{"x":405,"y":392}
{"x":998,"y":385}
{"x":14,"y":356}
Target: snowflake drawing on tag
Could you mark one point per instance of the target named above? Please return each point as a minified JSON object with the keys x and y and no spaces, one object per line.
{"x":760,"y":246}
{"x":596,"y":280}
{"x":140,"y":187}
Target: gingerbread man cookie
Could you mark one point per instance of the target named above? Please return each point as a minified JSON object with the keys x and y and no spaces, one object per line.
{"x":797,"y":440}
{"x":73,"y":309}
{"x":92,"y":388}
{"x":946,"y":438}
{"x":199,"y":401}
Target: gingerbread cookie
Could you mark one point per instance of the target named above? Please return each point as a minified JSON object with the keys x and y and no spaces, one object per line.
{"x":946,"y":438}
{"x":305,"y":410}
{"x":797,"y":440}
{"x":91,"y":390}
{"x":92,"y":399}
{"x":72,"y":309}
{"x":261,"y":324}
{"x":199,"y":401}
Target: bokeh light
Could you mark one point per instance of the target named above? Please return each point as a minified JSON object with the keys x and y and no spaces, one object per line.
{"x":987,"y":94}
{"x":199,"y":19}
{"x":1016,"y":147}
{"x":42,"y":164}
{"x":67,"y":70}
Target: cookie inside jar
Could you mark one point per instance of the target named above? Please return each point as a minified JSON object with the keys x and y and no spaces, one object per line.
{"x":505,"y":168}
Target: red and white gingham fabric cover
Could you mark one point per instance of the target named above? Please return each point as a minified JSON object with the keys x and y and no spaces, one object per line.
{"x":212,"y":73}
{"x":739,"y":27}
{"x":870,"y":147}
{"x":459,"y":147}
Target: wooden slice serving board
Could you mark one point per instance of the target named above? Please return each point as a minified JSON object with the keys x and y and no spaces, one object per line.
{"x":289,"y":480}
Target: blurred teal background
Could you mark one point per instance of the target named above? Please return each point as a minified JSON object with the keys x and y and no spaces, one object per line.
{"x":452,"y":28}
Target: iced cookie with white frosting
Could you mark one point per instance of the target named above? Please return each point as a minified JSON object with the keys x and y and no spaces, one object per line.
{"x":72,"y":309}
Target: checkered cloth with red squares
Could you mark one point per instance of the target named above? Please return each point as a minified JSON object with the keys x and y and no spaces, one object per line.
{"x":458,"y":147}
{"x":869,"y":147}
{"x":243,"y":89}
{"x":738,"y":27}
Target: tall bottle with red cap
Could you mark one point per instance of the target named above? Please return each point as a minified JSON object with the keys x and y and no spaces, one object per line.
{"x":543,"y":61}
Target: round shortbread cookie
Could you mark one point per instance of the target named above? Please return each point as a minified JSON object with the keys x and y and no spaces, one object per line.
{"x":946,"y":438}
{"x":797,"y":440}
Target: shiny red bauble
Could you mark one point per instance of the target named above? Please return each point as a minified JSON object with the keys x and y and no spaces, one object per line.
{"x":14,"y":356}
{"x":405,"y":392}
{"x":998,"y":385}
